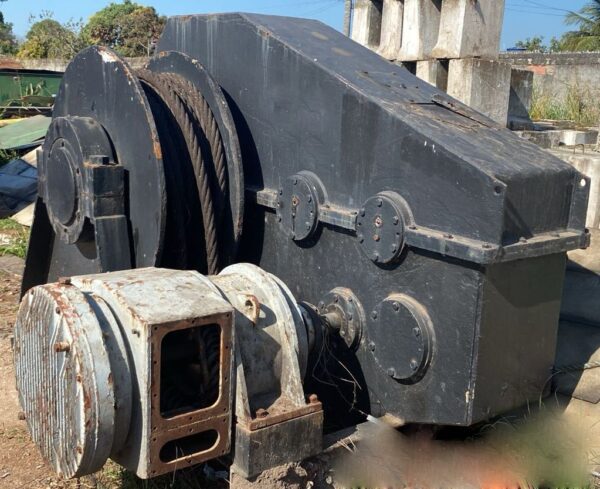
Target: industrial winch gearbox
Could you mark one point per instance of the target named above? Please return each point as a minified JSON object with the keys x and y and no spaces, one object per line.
{"x":426,"y":244}
{"x":138,"y":366}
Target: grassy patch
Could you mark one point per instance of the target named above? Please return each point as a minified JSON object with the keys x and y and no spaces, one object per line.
{"x":13,"y":238}
{"x":580,"y":106}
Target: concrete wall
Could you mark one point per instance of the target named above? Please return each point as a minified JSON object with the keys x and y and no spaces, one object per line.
{"x":58,"y":65}
{"x":555,"y":74}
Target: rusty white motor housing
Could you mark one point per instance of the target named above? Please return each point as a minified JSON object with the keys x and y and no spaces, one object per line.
{"x":137,"y":366}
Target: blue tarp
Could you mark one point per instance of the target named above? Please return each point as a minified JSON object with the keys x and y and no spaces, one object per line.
{"x":18,"y":187}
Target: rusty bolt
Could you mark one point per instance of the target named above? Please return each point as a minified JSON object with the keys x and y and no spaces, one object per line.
{"x":378,"y":221}
{"x":64,"y":280}
{"x":262,"y":413}
{"x":21,"y":416}
{"x":62,"y":346}
{"x":376,"y":237}
{"x":313,"y":399}
{"x":295,"y":201}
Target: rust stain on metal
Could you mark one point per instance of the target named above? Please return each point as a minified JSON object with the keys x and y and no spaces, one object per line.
{"x":252,"y":305}
{"x":281,"y":417}
{"x":157,"y":149}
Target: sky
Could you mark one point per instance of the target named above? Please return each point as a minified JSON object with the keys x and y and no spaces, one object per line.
{"x":523,"y":18}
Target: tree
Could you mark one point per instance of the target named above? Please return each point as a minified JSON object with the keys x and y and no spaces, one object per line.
{"x":48,"y":38}
{"x":535,"y":44}
{"x":8,"y":42}
{"x":587,"y":35}
{"x":128,"y":28}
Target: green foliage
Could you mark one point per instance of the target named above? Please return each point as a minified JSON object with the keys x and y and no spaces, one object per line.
{"x":48,"y":38}
{"x":128,"y":28}
{"x":536,"y":44}
{"x":587,"y":35}
{"x":6,"y":156}
{"x":14,"y":238}
{"x":580,"y":106}
{"x":8,"y":42}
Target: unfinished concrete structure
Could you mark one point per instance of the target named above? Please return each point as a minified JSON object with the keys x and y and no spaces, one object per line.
{"x":452,"y":44}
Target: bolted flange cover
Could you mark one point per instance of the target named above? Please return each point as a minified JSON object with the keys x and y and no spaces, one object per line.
{"x":380,"y":227}
{"x":71,"y":145}
{"x":298,"y":205}
{"x":402,"y":317}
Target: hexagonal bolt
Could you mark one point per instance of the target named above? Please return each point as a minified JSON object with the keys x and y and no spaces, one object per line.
{"x":372,"y":346}
{"x":417,"y":332}
{"x":99,"y":160}
{"x":396,"y":306}
{"x":262,"y":413}
{"x":374,"y":314}
{"x":313,"y":399}
{"x":391,"y":372}
{"x":414,"y":365}
{"x":62,"y":347}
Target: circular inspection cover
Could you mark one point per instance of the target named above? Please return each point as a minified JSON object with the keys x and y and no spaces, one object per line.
{"x":406,"y":320}
{"x":64,"y":379}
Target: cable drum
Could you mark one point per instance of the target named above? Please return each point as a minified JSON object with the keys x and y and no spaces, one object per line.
{"x":195,"y":165}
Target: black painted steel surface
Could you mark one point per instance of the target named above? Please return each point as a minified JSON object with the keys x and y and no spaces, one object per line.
{"x":439,"y":235}
{"x":487,"y":216}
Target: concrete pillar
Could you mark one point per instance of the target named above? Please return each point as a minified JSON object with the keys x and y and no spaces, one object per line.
{"x":470,"y":28}
{"x":483,"y":85}
{"x":419,"y":29}
{"x":519,"y":105}
{"x":434,"y":72}
{"x":366,"y":22}
{"x":391,"y":29}
{"x":347,"y":16}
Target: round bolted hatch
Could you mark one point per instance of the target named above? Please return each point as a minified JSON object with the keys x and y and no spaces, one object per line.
{"x":401,"y":317}
{"x":380,"y":227}
{"x":298,"y":205}
{"x":64,"y":379}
